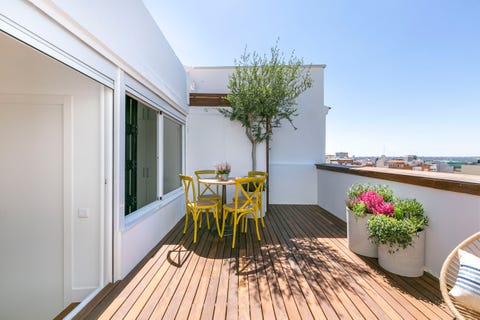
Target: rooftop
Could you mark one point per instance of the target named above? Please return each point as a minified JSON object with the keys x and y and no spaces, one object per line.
{"x":299,"y":270}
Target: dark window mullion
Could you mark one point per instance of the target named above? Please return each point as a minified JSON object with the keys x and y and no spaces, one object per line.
{"x":131,"y":133}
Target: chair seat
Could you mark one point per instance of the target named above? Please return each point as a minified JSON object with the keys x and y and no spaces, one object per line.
{"x":231,"y":206}
{"x":205,"y":203}
{"x":209,"y":197}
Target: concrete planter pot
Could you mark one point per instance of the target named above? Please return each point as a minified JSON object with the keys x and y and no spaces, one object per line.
{"x":408,"y":262}
{"x":357,"y":234}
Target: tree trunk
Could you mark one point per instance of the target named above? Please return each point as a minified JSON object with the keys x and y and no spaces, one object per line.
{"x":254,"y":156}
{"x":250,"y":136}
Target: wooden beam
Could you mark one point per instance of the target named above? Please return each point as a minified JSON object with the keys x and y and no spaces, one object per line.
{"x":208,"y":100}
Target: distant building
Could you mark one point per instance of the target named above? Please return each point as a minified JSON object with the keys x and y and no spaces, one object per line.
{"x":413,"y":164}
{"x":470,"y":169}
{"x":381,"y":162}
{"x":341,"y":155}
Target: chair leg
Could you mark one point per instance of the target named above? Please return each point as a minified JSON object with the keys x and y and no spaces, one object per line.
{"x":207,"y":216}
{"x":186,"y":222}
{"x":195,"y":218}
{"x":234,"y":216}
{"x":224,"y":219}
{"x":217,"y":222}
{"x":256,"y":226}
{"x":260,"y":213}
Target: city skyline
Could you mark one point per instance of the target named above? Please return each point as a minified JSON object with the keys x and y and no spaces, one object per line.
{"x":401,"y":77}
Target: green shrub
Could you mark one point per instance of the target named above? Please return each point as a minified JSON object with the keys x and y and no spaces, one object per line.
{"x":400,"y":230}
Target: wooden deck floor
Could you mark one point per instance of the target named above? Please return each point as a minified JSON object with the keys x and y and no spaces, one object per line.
{"x":301,"y":269}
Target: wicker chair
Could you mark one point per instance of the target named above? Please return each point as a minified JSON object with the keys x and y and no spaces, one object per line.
{"x":448,"y":276}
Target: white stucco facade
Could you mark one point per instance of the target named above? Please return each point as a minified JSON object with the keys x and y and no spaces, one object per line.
{"x":77,"y":63}
{"x":95,"y":243}
{"x":213,"y":138}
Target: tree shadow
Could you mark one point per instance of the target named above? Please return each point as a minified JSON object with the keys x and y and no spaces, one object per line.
{"x":303,"y":251}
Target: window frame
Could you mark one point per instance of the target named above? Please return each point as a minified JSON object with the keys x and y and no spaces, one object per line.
{"x":163,"y":109}
{"x":182,"y":138}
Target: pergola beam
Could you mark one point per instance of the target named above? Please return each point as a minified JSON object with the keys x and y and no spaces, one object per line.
{"x":208,"y":100}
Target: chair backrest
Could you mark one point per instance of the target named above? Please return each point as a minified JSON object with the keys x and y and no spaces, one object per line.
{"x":257,"y":174}
{"x":206,"y":189}
{"x":449,"y":273}
{"x":249,"y":190}
{"x":189,"y":188}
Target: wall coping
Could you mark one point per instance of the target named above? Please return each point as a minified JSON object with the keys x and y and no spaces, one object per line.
{"x":462,"y":183}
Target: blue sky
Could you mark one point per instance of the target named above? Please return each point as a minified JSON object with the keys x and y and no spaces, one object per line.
{"x":402,"y":77}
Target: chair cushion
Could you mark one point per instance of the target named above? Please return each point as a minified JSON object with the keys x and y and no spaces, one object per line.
{"x":467,"y":287}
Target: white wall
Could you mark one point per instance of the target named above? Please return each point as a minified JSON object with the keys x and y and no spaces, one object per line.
{"x":112,"y":33}
{"x":453,"y":216}
{"x":119,"y":45}
{"x":140,"y":238}
{"x":211,"y":138}
{"x":27,"y":72}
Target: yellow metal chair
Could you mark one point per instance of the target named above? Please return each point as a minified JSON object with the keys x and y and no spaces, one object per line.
{"x":260,"y":205}
{"x":241,"y":208}
{"x":195,"y":207}
{"x":206,"y":191}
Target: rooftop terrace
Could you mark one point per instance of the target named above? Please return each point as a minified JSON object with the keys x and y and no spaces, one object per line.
{"x":301,"y":269}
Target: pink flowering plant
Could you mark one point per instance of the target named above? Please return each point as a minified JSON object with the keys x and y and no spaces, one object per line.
{"x":367,"y":199}
{"x":394,"y":221}
{"x":223,"y":168}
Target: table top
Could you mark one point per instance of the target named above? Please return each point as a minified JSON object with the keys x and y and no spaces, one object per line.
{"x":231,"y":180}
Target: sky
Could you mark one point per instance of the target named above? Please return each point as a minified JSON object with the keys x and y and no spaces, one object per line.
{"x":402,"y":76}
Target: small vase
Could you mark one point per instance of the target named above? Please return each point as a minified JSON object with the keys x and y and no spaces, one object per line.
{"x":223,"y":176}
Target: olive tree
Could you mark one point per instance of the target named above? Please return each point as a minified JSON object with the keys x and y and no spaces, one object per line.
{"x":262,"y":94}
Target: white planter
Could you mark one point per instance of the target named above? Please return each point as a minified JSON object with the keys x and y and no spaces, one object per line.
{"x":357,"y":234}
{"x":407,"y":262}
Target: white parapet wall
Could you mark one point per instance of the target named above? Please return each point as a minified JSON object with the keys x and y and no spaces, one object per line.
{"x":453,"y":215}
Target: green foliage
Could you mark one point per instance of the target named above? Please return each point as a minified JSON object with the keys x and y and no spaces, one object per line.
{"x":382,"y":189}
{"x":359,"y":208}
{"x":356,"y":189}
{"x":385,"y":192}
{"x":412,"y":210}
{"x":391,"y":231}
{"x":400,"y":230}
{"x":263,"y":92}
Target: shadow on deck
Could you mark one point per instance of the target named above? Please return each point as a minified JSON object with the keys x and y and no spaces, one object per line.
{"x":301,"y":269}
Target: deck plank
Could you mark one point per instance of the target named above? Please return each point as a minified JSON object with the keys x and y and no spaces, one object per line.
{"x":300,"y":269}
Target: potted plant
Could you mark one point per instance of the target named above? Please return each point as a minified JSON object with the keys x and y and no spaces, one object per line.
{"x":364,"y":201}
{"x":401,"y":238}
{"x":223,"y":169}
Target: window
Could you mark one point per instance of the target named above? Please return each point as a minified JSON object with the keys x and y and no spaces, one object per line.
{"x":145,"y":127}
{"x":172,"y":154}
{"x":140,"y":155}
